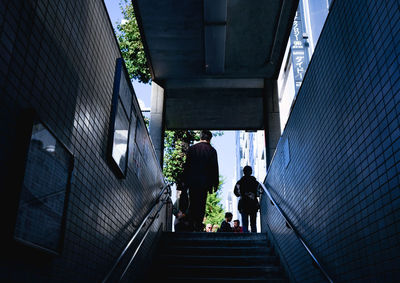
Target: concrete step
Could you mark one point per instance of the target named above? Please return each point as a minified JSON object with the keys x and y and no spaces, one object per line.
{"x":216,"y":250}
{"x":195,"y":257}
{"x":243,"y":260}
{"x":214,"y":236}
{"x":223,"y":271}
{"x":215,"y":242}
{"x":227,"y":279}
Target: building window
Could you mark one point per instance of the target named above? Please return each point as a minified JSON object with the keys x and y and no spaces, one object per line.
{"x":120,"y":123}
{"x":42,"y":202}
{"x":316,"y":12}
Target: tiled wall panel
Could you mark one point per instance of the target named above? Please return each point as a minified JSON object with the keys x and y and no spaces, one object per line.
{"x":58,"y":57}
{"x":341,"y":187}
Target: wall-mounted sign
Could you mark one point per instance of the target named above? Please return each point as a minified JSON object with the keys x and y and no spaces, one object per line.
{"x":299,"y":51}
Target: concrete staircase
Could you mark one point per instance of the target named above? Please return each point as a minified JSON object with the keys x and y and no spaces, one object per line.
{"x":188,"y":257}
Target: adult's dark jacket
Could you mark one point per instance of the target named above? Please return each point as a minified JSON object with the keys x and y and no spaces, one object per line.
{"x":247,"y":189}
{"x":201,"y":167}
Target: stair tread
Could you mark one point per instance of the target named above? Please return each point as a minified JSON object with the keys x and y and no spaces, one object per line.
{"x":219,"y":256}
{"x":239,"y":241}
{"x":215,"y":250}
{"x":199,"y":256}
{"x":258,"y":278}
{"x":214,"y":235}
{"x":207,"y":244}
{"x":235,"y":260}
{"x":216,"y":247}
{"x":209,"y":267}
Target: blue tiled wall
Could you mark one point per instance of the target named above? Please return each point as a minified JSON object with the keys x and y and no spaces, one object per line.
{"x":341,"y":187}
{"x":58,"y":57}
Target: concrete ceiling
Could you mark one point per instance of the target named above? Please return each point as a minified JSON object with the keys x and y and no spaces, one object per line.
{"x":213,"y":56}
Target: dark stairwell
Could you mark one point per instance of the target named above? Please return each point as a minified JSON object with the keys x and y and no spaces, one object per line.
{"x":188,"y":257}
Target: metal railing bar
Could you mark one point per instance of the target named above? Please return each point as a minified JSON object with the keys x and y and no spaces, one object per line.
{"x":141,"y":242}
{"x":135,"y":235}
{"x":289,"y":223}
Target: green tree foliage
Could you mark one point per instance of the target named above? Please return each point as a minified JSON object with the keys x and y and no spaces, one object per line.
{"x":176,"y":143}
{"x":215,"y":213}
{"x":131,"y":45}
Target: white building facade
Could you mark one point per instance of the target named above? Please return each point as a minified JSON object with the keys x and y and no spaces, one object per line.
{"x":250,"y":150}
{"x":307,"y":26}
{"x":250,"y":146}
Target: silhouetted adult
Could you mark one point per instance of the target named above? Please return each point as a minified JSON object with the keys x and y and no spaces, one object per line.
{"x":247,"y":189}
{"x":225,"y":225}
{"x":200,"y":175}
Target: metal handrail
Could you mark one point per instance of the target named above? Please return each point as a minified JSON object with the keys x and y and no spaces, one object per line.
{"x":167,"y":186}
{"x":141,"y":242}
{"x":291,"y":226}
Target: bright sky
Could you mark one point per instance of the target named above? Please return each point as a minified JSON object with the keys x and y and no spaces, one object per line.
{"x":225,"y":144}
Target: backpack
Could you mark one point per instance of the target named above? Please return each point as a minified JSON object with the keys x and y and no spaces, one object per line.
{"x":247,"y":188}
